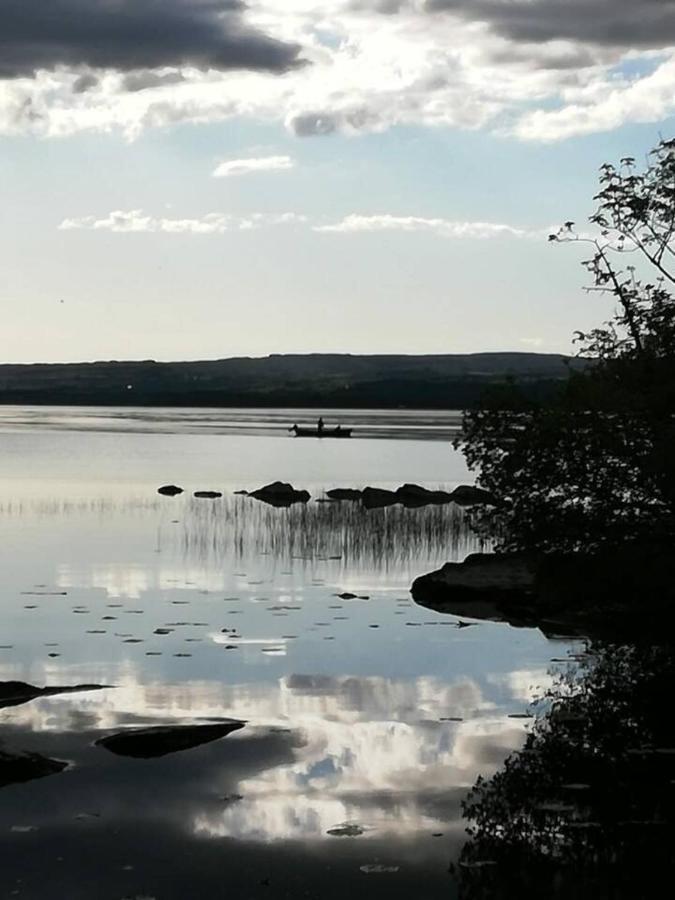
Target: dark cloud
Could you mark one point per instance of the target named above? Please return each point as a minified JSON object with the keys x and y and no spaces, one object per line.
{"x":87,"y":81}
{"x":310,"y":124}
{"x":134,"y":34}
{"x":141,"y":81}
{"x":318,"y":123}
{"x":639,"y":24}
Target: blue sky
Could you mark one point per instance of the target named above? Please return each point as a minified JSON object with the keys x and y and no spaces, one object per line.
{"x":390,"y":194}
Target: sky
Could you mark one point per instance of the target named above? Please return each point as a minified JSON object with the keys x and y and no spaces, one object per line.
{"x":192,"y":179}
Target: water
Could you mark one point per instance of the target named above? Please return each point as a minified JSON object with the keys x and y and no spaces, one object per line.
{"x":370,"y":712}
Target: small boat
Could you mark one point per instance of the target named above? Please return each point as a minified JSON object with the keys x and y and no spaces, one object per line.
{"x":338,"y":432}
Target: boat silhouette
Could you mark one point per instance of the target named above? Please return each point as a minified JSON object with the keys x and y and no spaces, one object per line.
{"x":338,"y":432}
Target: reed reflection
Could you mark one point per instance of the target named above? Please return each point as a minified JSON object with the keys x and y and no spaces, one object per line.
{"x":377,"y":538}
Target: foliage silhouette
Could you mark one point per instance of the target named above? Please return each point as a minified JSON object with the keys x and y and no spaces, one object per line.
{"x":597,"y":465}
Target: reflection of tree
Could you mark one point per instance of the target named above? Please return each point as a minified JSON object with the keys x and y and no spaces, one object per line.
{"x":588,"y":804}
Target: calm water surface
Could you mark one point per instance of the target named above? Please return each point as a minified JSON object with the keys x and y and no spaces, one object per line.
{"x":368,"y":712}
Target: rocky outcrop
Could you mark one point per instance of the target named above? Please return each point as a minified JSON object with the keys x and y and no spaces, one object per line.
{"x":481,"y":573}
{"x":280,"y":493}
{"x":148,"y":743}
{"x":207,"y":495}
{"x":614,"y":592}
{"x":169,"y":490}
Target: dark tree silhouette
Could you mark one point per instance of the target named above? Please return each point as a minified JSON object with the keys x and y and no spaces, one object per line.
{"x":597,"y":464}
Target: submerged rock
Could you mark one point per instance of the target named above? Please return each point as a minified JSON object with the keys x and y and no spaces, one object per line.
{"x":169,"y":490}
{"x":14,"y":693}
{"x":159,"y":740}
{"x":280,"y":493}
{"x":15,"y":768}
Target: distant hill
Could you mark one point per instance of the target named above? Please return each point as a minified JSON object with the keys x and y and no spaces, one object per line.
{"x":302,"y":380}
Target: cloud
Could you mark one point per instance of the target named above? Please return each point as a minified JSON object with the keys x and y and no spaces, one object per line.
{"x":134,"y":34}
{"x":536,"y":70}
{"x":616,"y":23}
{"x":136,"y":221}
{"x":604,"y":105}
{"x":441,"y":227}
{"x":230,"y":168}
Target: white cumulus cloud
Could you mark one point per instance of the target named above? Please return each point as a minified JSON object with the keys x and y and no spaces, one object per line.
{"x":136,"y":221}
{"x":230,"y":168}
{"x":442,"y":227}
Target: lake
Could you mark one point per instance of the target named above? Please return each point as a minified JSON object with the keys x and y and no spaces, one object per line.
{"x":366,"y":718}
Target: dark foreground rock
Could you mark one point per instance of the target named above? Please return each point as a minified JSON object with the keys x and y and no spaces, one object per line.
{"x":14,"y":693}
{"x":148,"y":743}
{"x":169,"y":490}
{"x":618,"y":591}
{"x":15,"y":768}
{"x":280,"y":493}
{"x":208,"y":495}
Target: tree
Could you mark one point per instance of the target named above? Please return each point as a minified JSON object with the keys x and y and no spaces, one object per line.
{"x":597,"y":464}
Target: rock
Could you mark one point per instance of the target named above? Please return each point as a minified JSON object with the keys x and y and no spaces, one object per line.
{"x":480,"y":575}
{"x":241,"y":493}
{"x":169,"y":490}
{"x":14,"y":693}
{"x":563,"y":594}
{"x":208,"y":495}
{"x":15,"y":768}
{"x":281,"y":494}
{"x":149,"y":743}
{"x":377,"y":498}
{"x":469,"y":495}
{"x":344,"y":494}
{"x":413,"y":495}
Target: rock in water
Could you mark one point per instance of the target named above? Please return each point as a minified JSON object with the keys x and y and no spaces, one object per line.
{"x":413,"y":495}
{"x":469,"y":495}
{"x":344,"y":494}
{"x":377,"y":498}
{"x":481,"y":575}
{"x":208,"y":495}
{"x":169,"y":490}
{"x":148,"y":743}
{"x":280,"y":493}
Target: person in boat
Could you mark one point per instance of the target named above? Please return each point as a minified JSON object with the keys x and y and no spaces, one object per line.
{"x":319,"y":425}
